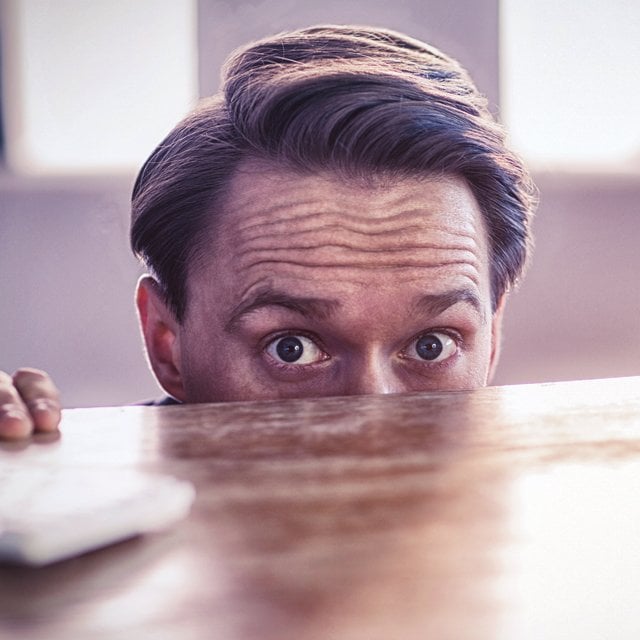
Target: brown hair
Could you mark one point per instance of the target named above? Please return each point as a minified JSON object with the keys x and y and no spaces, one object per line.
{"x":359,"y":101}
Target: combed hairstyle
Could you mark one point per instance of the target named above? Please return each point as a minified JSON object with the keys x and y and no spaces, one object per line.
{"x":364,"y":103}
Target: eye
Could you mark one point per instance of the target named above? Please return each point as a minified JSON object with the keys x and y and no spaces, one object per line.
{"x":295,"y":349}
{"x":434,"y":346}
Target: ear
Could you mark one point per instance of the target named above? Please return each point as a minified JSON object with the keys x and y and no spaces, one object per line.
{"x":496,"y":336}
{"x":161,"y":335}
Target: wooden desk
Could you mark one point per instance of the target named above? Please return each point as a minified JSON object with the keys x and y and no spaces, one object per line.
{"x":504,"y":513}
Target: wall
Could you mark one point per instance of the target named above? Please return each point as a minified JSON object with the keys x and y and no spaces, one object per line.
{"x":577,"y":313}
{"x":66,"y":288}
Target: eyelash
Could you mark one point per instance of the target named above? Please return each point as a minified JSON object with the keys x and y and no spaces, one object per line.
{"x":451,"y":333}
{"x":284,"y":366}
{"x":422,"y":364}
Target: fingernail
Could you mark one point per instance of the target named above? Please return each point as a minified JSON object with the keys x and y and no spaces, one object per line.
{"x":42,"y":405}
{"x":12,"y":414}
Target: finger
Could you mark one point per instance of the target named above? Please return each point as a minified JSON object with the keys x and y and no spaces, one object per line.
{"x":15,"y":420}
{"x":40,"y":396}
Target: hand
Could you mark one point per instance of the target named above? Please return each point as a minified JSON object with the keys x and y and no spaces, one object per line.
{"x":29,"y":402}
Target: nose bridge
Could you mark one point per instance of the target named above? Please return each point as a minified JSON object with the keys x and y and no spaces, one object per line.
{"x":372,"y":373}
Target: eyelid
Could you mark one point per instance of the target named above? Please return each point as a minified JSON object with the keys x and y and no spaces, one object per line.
{"x":451,"y":336}
{"x":271,"y":341}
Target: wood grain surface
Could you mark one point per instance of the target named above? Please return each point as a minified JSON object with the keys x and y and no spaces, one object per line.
{"x":508,"y":512}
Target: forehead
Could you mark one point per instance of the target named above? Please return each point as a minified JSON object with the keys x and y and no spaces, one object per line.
{"x":261,"y":192}
{"x":323,"y":235}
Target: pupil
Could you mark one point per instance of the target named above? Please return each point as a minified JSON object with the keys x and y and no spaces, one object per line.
{"x":429,"y":347}
{"x":289,"y":349}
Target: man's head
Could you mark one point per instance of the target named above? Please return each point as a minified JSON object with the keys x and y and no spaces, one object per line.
{"x":343,"y":217}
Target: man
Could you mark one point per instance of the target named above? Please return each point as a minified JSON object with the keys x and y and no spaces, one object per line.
{"x":342,"y":218}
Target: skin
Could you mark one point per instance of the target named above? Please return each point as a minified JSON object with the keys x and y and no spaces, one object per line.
{"x":357,"y":274}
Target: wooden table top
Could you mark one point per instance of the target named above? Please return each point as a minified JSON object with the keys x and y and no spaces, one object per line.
{"x":508,"y":512}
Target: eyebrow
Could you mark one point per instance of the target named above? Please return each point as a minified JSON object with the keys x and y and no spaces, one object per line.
{"x":435,"y":304}
{"x":307,"y":307}
{"x":431,"y":304}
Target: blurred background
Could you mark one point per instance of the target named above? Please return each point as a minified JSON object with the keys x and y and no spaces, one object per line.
{"x":89,"y":87}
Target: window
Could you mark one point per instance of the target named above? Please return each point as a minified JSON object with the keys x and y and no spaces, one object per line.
{"x":570,"y":78}
{"x":128,"y":71}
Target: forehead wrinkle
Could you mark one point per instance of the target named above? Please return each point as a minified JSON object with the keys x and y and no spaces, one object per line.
{"x":394,"y":266}
{"x":360,"y":257}
{"x":241,"y":210}
{"x":413,"y":278}
{"x":342,"y":237}
{"x":340,"y":219}
{"x":397,"y":233}
{"x":284,"y":194}
{"x":339,"y":253}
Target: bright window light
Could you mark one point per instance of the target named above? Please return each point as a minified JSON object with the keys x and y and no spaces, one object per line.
{"x":92,"y":86}
{"x":570,"y":81}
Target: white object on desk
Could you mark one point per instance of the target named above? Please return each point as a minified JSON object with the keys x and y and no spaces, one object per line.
{"x":50,"y":514}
